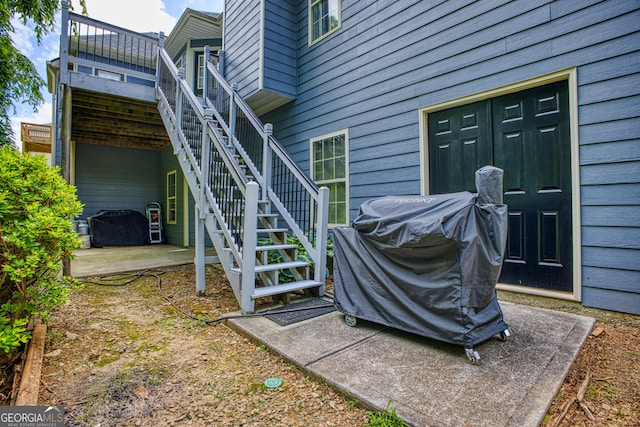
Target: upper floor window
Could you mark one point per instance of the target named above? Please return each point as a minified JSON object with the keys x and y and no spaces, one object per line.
{"x":324,"y":18}
{"x":329,"y":168}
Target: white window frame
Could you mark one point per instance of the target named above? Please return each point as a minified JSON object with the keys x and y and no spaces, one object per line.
{"x":200,"y":65}
{"x":172,"y":213}
{"x":320,"y":183}
{"x":312,"y":3}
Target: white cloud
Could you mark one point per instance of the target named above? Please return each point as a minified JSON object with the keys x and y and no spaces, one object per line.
{"x":23,"y":37}
{"x":135,"y":15}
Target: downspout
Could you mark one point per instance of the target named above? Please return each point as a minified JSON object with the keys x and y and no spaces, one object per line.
{"x":65,"y":91}
{"x":65,"y":155}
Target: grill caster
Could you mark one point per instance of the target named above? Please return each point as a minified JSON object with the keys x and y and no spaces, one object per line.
{"x":504,"y":335}
{"x":350,"y":320}
{"x":472,"y":355}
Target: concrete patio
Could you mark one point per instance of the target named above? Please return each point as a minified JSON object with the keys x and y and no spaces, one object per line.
{"x":429,"y":383}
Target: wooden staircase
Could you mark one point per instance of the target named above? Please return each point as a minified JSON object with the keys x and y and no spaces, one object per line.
{"x":231,"y":161}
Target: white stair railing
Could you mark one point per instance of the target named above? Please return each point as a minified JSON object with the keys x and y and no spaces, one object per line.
{"x":219,"y":187}
{"x":242,"y":179}
{"x":213,"y":146}
{"x":283,"y":185}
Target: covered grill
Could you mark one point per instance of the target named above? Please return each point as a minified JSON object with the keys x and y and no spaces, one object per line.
{"x":118,"y":228}
{"x":427,"y":264}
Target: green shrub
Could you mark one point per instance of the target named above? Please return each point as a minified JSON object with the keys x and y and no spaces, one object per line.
{"x":303,"y":255}
{"x":36,"y":207}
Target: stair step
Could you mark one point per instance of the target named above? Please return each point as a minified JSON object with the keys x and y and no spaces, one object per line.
{"x":275,"y":247}
{"x":278,"y":266}
{"x":281,"y":266}
{"x":272,"y":230}
{"x":284,"y":288}
{"x":269,"y":247}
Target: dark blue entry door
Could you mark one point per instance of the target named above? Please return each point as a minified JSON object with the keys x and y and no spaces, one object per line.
{"x":527,"y":135}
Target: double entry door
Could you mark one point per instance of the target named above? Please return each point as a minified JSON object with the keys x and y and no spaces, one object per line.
{"x":527,"y":134}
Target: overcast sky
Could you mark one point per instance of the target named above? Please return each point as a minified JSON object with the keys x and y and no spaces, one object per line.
{"x":136,"y":15}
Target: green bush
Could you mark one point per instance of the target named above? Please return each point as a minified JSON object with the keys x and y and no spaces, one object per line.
{"x":303,"y":255}
{"x":36,"y":233}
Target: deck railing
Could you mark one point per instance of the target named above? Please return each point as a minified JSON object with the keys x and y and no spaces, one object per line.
{"x":99,"y":49}
{"x":36,"y":138}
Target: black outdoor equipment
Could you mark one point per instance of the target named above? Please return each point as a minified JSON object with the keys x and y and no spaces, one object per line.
{"x":118,"y":228}
{"x":427,"y":264}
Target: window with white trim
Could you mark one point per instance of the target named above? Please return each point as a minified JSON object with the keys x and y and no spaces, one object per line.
{"x":172,"y":203}
{"x":200,"y":71}
{"x":330,"y":168}
{"x":324,"y":18}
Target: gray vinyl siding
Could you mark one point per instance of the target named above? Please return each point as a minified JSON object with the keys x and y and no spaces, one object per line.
{"x":242,"y":44}
{"x":116,"y":178}
{"x":390,"y":58}
{"x":280,"y":54}
{"x":192,"y":230}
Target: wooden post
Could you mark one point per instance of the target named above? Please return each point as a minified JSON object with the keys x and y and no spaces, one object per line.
{"x":65,"y":149}
{"x":321,"y":237}
{"x":161,"y":38}
{"x":205,"y":83}
{"x":64,"y":43}
{"x":181,"y":76}
{"x":30,"y":382}
{"x":232,"y":116}
{"x":221,"y":61}
{"x":205,"y":159}
{"x":266,"y":161}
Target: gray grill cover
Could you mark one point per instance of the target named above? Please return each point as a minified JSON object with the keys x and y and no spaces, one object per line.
{"x":426,"y":264}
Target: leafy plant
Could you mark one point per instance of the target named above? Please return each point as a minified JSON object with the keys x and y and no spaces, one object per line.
{"x":19,"y":78}
{"x":12,"y":336}
{"x":36,"y":207}
{"x":351,"y":401}
{"x":386,"y":418}
{"x":302,"y":254}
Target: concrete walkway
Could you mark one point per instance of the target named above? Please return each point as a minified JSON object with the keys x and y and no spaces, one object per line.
{"x":120,"y":259}
{"x":429,"y":383}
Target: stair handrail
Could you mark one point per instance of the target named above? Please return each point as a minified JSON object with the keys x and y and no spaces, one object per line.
{"x":259,"y":126}
{"x":272,"y":149}
{"x":173,"y":110}
{"x":226,"y":122}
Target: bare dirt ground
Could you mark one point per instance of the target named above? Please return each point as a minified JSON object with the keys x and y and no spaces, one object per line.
{"x":602,"y":388}
{"x":124,"y":356}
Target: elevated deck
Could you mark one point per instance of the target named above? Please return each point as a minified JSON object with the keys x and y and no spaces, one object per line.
{"x":111,"y":73}
{"x":36,"y":138}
